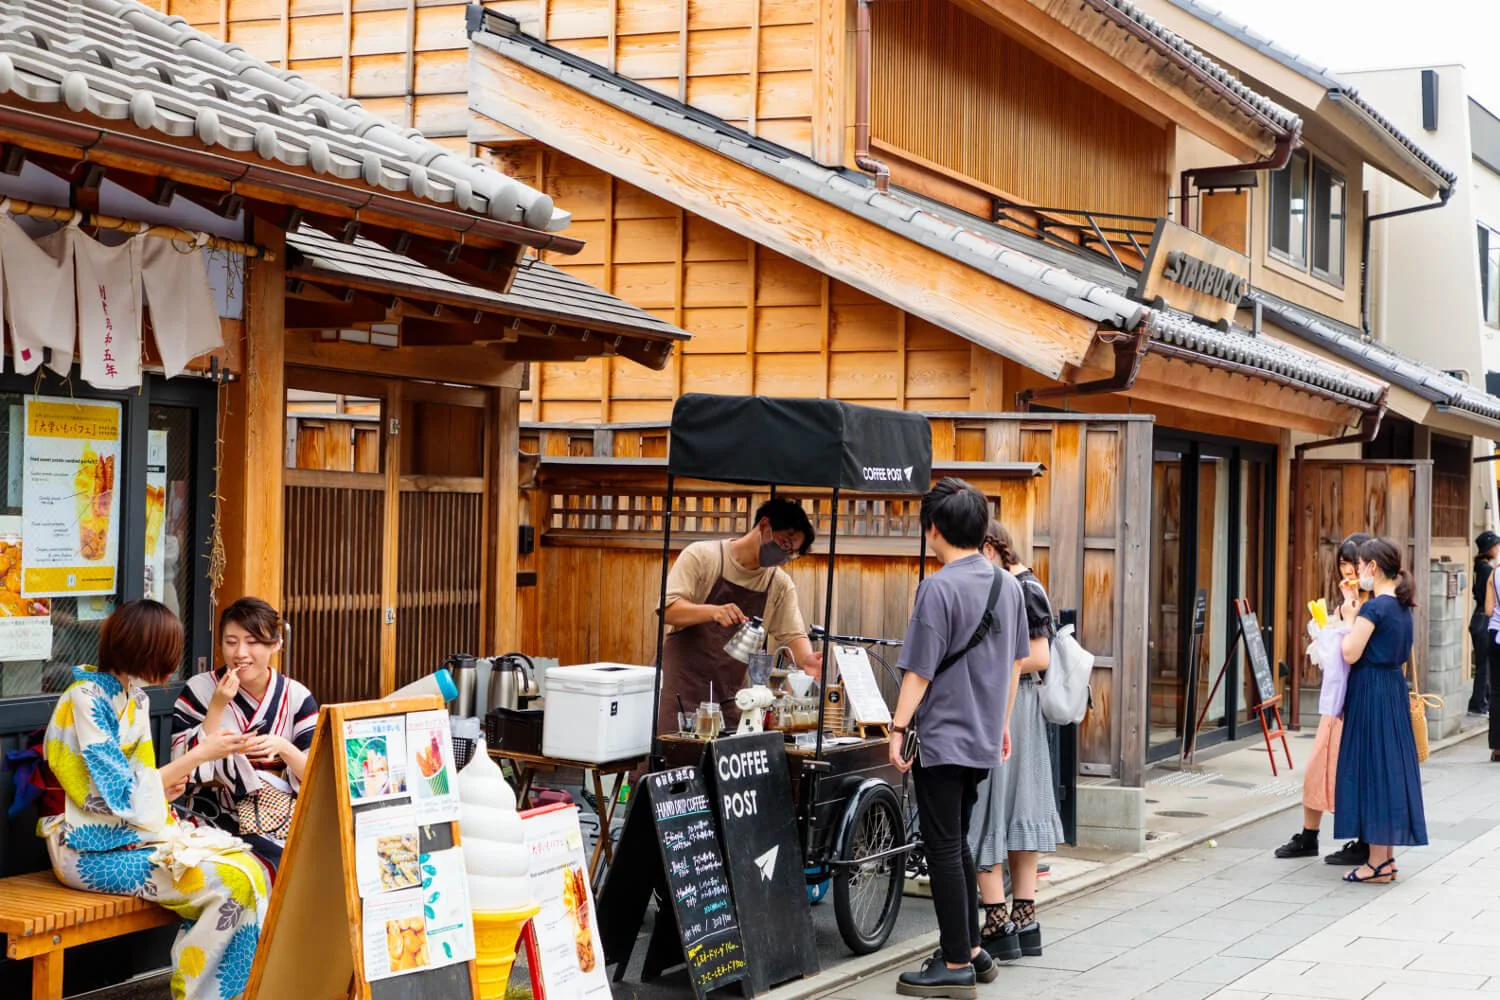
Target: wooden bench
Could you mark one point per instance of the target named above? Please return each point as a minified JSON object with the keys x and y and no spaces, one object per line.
{"x":41,"y":918}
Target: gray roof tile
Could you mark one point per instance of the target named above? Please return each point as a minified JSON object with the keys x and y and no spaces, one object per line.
{"x":1316,"y":72}
{"x":119,"y":59}
{"x":539,"y":288}
{"x":1349,"y":343}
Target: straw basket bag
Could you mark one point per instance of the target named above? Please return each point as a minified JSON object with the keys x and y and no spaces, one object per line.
{"x":1420,"y":703}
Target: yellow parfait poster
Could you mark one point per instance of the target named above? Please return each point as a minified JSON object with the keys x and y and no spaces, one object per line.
{"x":70,"y":507}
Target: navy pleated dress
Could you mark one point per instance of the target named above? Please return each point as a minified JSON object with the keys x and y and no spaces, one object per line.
{"x":1378,"y":788}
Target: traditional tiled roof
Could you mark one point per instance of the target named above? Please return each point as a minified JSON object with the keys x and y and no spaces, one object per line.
{"x":540,"y":291}
{"x":1281,"y":117}
{"x":1350,"y":344}
{"x":1262,"y":354}
{"x":119,"y":60}
{"x":1317,"y":72}
{"x":990,"y":249}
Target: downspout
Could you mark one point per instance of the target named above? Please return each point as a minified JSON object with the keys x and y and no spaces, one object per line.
{"x":862,"y":158}
{"x":1130,"y":347}
{"x":1279,"y":158}
{"x":1364,"y":250}
{"x":1369,"y":426}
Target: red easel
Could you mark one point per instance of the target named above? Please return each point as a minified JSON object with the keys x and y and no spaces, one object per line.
{"x":533,"y":961}
{"x":1248,"y":630}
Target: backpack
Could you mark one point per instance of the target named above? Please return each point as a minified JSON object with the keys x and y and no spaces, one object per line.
{"x":1065,"y":691}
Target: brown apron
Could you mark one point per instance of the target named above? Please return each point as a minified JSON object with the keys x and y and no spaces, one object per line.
{"x":694,"y":656}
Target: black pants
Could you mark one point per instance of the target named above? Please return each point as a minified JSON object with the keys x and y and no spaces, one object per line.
{"x":945,"y":800}
{"x":1479,"y":701}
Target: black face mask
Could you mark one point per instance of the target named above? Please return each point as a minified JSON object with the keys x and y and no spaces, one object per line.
{"x":772,"y":555}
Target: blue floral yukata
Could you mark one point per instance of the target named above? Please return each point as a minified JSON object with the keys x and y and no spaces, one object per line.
{"x":117,"y":834}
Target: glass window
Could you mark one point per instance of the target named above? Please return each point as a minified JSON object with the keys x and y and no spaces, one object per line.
{"x":1327,"y":224}
{"x":1289,"y":211}
{"x":1489,"y":273}
{"x":169,"y":576}
{"x":73,"y":622}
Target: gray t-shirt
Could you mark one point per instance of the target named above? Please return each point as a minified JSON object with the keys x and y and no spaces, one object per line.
{"x":962,"y":719}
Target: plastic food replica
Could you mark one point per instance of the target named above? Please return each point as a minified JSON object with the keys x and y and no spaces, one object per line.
{"x":95,"y":489}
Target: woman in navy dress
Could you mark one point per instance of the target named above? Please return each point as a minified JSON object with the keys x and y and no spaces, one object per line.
{"x":1378,"y":787}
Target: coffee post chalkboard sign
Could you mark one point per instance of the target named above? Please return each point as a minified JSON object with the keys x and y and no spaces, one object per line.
{"x":670,"y":844}
{"x":751,"y":788}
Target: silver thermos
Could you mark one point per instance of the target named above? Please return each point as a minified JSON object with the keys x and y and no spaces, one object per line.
{"x":512,"y":681}
{"x":465,"y":670}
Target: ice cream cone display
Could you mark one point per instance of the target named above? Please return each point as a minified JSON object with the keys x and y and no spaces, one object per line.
{"x":495,"y":853}
{"x":496,"y":937}
{"x":95,"y":486}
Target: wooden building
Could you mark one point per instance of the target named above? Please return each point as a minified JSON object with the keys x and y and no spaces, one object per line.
{"x":352,"y":259}
{"x":857,"y":199}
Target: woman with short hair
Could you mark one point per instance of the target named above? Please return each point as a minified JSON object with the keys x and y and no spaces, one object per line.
{"x":249,"y":793}
{"x":117,"y":833}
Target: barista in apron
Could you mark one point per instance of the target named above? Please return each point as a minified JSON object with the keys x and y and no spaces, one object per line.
{"x":712,"y":589}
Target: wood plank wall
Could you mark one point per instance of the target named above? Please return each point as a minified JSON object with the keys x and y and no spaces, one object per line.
{"x":761,"y":322}
{"x":405,"y":60}
{"x":956,"y":91}
{"x":1088,"y":539}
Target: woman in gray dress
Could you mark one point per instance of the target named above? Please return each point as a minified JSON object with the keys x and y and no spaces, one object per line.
{"x":1016,"y":817}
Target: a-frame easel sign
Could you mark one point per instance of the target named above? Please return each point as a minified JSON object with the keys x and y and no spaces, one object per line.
{"x":374,"y":853}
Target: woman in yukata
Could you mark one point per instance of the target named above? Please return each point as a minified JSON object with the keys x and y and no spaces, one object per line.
{"x":118,"y":834}
{"x":274,"y":713}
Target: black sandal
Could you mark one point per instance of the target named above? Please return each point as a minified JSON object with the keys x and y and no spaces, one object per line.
{"x":1375,"y":877}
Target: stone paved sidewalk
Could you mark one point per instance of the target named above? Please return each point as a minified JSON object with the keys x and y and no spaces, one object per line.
{"x":1235,"y":923}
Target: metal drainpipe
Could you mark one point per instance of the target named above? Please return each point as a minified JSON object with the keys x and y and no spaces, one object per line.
{"x":1364,"y":250}
{"x":1130,"y":347}
{"x":1278,"y":159}
{"x":1369,"y":426}
{"x":862,"y":158}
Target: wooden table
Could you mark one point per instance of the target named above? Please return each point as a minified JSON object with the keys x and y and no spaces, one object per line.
{"x":528,"y":764}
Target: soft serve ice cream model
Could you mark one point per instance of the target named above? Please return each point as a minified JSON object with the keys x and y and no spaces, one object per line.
{"x":495,"y":855}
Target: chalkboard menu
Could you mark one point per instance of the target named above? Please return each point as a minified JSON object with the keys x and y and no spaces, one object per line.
{"x":752,"y":797}
{"x":685,"y":865}
{"x":1255,"y":650}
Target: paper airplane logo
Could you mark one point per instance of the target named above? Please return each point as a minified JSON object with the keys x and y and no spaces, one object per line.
{"x":907,"y":470}
{"x":767,"y":863}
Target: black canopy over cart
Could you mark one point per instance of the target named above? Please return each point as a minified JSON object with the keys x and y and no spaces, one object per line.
{"x":850,"y":801}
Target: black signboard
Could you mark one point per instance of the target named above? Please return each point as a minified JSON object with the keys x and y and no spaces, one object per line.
{"x":670,"y":844}
{"x":1200,"y":612}
{"x":752,"y":795}
{"x":1255,"y":649}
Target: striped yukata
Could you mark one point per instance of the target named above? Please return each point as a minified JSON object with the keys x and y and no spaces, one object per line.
{"x":287,"y":710}
{"x":117,"y":834}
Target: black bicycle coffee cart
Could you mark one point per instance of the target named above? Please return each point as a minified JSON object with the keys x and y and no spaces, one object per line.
{"x":850,"y":801}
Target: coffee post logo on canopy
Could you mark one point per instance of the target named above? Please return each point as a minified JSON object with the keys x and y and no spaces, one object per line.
{"x":1191,"y":272}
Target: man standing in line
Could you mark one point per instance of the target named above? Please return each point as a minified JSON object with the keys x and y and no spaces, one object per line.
{"x":967,"y":630}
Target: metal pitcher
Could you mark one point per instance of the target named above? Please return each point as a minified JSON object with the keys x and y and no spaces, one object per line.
{"x":751,"y":638}
{"x":465,"y":670}
{"x":512,"y":681}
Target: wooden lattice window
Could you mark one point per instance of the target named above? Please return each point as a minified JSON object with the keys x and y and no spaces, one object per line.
{"x":1451,"y":467}
{"x":627,"y":512}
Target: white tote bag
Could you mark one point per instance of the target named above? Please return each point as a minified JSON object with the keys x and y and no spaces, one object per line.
{"x":1065,"y":689}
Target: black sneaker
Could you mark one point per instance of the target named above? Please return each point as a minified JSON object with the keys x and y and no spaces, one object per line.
{"x":985,"y":969}
{"x":1302,"y":845}
{"x":937,"y":980}
{"x":1355,"y":852}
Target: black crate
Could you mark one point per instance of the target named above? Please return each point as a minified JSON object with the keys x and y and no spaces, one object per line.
{"x":519,"y":730}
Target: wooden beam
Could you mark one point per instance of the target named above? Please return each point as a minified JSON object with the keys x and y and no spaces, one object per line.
{"x":1078,"y":41}
{"x":863,"y":254}
{"x":304,"y":315}
{"x":504,"y":515}
{"x":418,"y":332}
{"x":1215,"y":391}
{"x":986,"y":381}
{"x":390,"y":561}
{"x":831,"y":73}
{"x":253,"y":453}
{"x":463,"y":365}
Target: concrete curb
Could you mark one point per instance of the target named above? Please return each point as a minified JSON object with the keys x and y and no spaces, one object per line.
{"x":883,"y":962}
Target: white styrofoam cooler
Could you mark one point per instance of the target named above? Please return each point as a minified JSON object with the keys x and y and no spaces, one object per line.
{"x":598,"y":712}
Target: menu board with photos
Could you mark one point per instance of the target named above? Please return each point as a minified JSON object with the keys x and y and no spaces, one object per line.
{"x":701,"y":928}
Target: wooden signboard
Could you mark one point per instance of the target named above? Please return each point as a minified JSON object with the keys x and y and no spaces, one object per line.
{"x":318,"y":888}
{"x":670,"y":845}
{"x":1268,"y":705}
{"x":1255,"y":652}
{"x":752,"y":795}
{"x":1192,"y":273}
